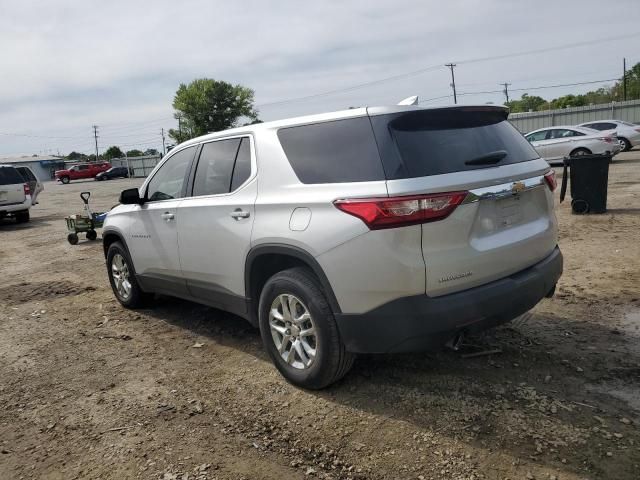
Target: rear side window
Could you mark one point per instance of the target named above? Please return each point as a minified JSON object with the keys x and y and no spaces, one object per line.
{"x":10,"y":176}
{"x":333,"y":152}
{"x":434,"y":142}
{"x":215,"y":167}
{"x":26,"y":174}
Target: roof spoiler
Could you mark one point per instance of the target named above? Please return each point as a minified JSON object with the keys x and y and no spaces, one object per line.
{"x":413,"y":100}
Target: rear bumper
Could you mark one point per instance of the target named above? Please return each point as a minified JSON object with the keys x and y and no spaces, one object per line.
{"x":15,"y":207}
{"x":420,"y":322}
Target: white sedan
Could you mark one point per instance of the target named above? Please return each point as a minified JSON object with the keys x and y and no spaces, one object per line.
{"x":555,"y":143}
{"x":628,"y":133}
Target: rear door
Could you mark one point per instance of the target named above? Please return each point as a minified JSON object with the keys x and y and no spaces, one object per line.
{"x":215,"y":222}
{"x":506,"y":222}
{"x":560,"y":144}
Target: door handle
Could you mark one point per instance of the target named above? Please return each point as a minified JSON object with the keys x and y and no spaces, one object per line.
{"x":238,"y":214}
{"x":168,"y":216}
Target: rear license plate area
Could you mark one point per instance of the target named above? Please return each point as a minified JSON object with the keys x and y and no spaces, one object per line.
{"x":509,"y":211}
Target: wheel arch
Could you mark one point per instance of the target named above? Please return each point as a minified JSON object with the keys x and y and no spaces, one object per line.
{"x":111,"y":236}
{"x":264,"y":261}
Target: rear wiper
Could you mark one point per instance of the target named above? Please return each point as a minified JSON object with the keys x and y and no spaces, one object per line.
{"x":488,"y":159}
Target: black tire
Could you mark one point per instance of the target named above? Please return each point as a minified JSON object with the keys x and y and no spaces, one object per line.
{"x":627,"y":144}
{"x":92,"y":235}
{"x":332,"y":361}
{"x":72,"y":238}
{"x":22,"y":217}
{"x":137,"y":298}
{"x":64,"y":180}
{"x":580,"y":151}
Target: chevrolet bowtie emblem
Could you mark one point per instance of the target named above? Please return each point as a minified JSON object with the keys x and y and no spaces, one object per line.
{"x":518,"y":187}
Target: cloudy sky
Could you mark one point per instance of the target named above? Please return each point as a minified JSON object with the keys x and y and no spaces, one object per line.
{"x":67,"y":65}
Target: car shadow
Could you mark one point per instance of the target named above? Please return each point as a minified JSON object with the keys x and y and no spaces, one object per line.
{"x":474,"y":395}
{"x":9,"y":224}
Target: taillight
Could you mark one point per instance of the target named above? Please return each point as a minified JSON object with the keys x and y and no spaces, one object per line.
{"x":637,"y":129}
{"x":379,"y":213}
{"x":27,"y":190}
{"x":550,"y":178}
{"x":606,"y":139}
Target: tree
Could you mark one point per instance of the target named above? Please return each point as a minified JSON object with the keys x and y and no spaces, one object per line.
{"x":135,"y":153}
{"x":151,"y":151}
{"x":113,"y":152}
{"x":76,"y":156}
{"x":526,"y":103}
{"x":208,"y":105}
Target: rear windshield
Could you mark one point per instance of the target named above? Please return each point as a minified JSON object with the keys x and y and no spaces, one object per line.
{"x":433,"y":142}
{"x":10,"y":176}
{"x":333,"y":152}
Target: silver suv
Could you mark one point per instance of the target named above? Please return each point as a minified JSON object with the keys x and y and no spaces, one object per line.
{"x":371,"y":230}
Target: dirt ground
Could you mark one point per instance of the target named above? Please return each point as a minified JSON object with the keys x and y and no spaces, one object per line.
{"x":91,"y":390}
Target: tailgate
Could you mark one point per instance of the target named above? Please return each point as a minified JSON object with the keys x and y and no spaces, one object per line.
{"x":11,"y":187}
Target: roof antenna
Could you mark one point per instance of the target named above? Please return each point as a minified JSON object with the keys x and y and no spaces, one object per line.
{"x":409,"y":101}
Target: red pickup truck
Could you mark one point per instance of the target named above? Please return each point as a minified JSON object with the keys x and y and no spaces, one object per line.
{"x":82,"y":170}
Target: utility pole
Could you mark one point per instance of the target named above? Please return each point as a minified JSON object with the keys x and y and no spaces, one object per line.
{"x":95,"y":136}
{"x":506,"y":90}
{"x":453,"y":81}
{"x":624,"y":78}
{"x":164,"y":150}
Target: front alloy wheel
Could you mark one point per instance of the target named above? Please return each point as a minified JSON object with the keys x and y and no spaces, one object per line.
{"x":120,"y":274}
{"x":293,"y":331}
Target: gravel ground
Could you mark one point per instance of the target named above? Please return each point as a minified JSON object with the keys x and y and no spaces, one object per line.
{"x":91,"y":390}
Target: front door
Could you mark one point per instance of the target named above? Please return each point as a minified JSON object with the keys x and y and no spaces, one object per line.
{"x":216,"y":221}
{"x":153,"y":239}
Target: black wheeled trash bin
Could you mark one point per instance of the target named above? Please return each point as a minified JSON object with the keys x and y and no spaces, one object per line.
{"x":588,"y":175}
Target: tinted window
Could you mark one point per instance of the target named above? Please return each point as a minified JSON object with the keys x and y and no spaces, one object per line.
{"x":438,"y":141}
{"x":215,"y":167}
{"x":26,"y":174}
{"x":242,"y":169}
{"x":333,"y":152}
{"x":608,"y":126}
{"x":10,"y":176}
{"x":168,"y":181}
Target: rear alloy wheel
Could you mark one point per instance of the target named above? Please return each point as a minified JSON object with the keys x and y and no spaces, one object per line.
{"x":578,"y":152}
{"x":299,"y":330}
{"x":625,"y":144}
{"x":64,"y":180}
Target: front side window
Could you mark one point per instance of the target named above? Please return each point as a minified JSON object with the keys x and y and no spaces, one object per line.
{"x":168,"y":181}
{"x":537,"y":136}
{"x":215,"y":167}
{"x":562,"y":133}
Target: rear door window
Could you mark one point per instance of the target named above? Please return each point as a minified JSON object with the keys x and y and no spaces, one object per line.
{"x":215,"y":167}
{"x":537,"y":136}
{"x":10,"y":176}
{"x":333,"y":152}
{"x":433,"y":142}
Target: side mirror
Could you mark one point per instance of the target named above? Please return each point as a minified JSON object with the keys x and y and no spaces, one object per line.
{"x":131,"y":196}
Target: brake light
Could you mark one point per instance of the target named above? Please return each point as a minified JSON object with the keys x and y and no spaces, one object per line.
{"x":27,"y":190}
{"x":379,"y":213}
{"x":550,"y":178}
{"x":606,"y":139}
{"x":637,"y":129}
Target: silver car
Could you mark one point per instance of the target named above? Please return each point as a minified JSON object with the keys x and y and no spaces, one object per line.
{"x":389,"y":229}
{"x":628,"y":133}
{"x":556,"y":143}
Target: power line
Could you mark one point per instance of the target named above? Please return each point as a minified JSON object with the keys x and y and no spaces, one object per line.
{"x":435,"y":67}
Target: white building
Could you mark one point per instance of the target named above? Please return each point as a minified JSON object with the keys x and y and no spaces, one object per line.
{"x":42,"y":166}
